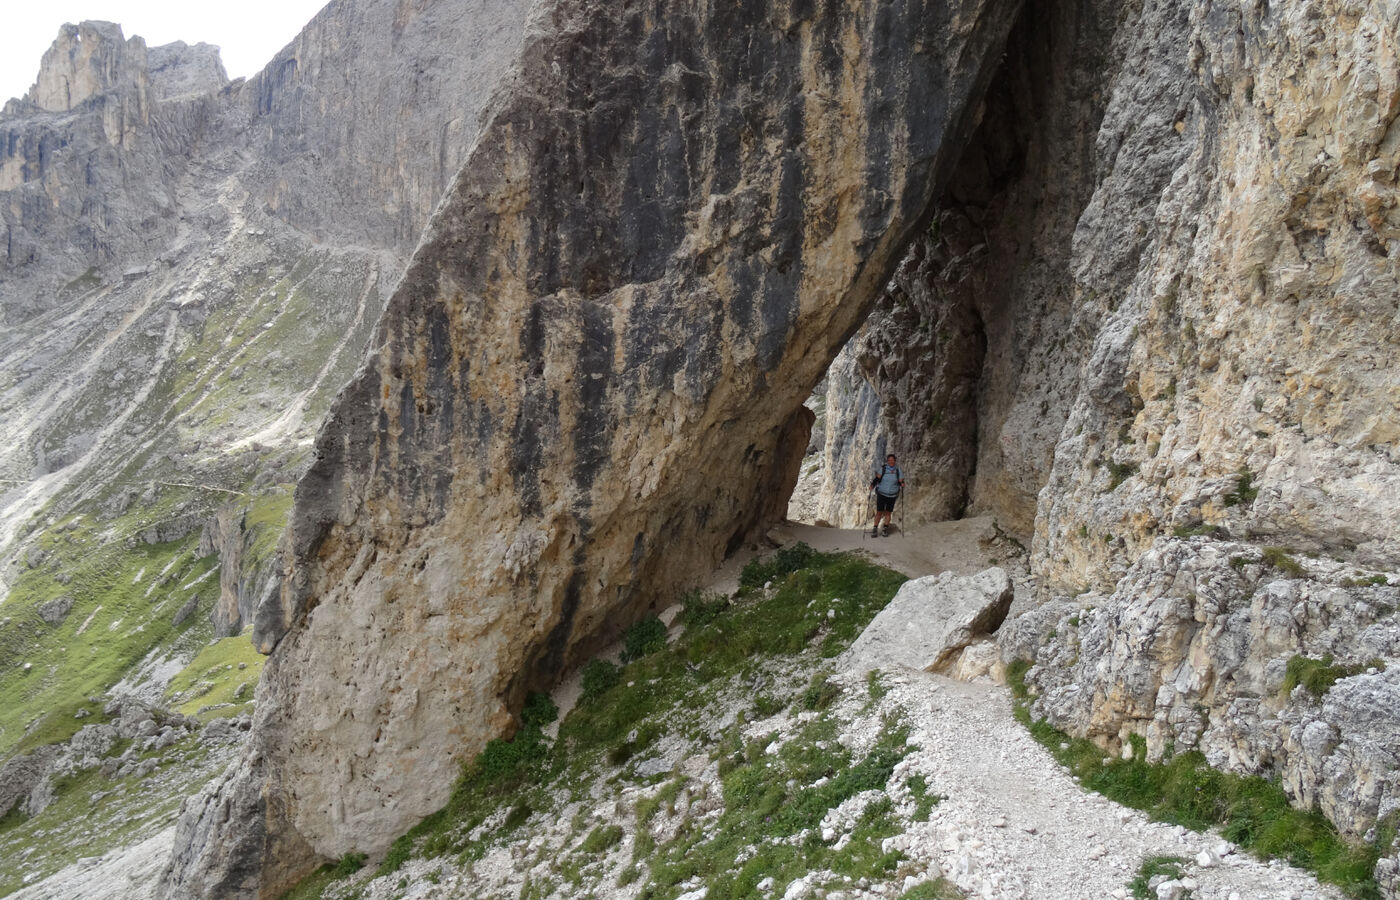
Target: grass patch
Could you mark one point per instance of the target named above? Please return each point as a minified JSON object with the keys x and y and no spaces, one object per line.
{"x":769,"y":799}
{"x":821,"y":692}
{"x":938,"y":889}
{"x":1367,"y":581}
{"x":1170,"y":866}
{"x":761,"y":570}
{"x":213,"y":678}
{"x":924,"y":800}
{"x":601,"y":839}
{"x":1283,"y":561}
{"x":1184,"y":790}
{"x":125,"y":596}
{"x":1318,"y":675}
{"x":700,"y":608}
{"x":1210,"y":531}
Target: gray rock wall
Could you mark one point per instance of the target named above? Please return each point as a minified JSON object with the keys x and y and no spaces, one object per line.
{"x":1191,"y":652}
{"x":1176,"y":231}
{"x":975,"y":350}
{"x":586,"y":388}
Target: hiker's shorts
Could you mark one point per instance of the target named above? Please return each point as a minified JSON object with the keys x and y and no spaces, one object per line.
{"x":883,"y":503}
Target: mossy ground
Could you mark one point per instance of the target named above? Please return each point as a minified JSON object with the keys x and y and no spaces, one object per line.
{"x":740,"y":695}
{"x":1252,"y":812}
{"x":212,"y":685}
{"x":125,"y":593}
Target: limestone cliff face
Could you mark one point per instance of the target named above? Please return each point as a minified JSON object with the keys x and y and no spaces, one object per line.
{"x":584,"y":389}
{"x":1258,"y":330}
{"x":974,"y":351}
{"x":1175,"y":230}
{"x":377,"y":101}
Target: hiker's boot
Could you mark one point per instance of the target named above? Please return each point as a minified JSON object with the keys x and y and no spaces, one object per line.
{"x":875,"y":532}
{"x":885,"y":531}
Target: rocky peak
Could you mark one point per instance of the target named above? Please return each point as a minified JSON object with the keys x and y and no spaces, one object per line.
{"x":86,"y":61}
{"x":183,"y":70}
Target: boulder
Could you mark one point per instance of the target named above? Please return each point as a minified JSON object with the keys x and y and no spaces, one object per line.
{"x":56,"y":610}
{"x":21,"y":775}
{"x":931,"y":620}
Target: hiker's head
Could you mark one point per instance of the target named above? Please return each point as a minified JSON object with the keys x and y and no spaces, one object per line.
{"x":890,"y":459}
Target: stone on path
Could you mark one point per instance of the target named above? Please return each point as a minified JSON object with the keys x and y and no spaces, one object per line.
{"x":931,"y":620}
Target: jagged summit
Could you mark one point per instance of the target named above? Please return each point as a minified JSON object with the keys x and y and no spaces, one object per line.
{"x":95,"y":58}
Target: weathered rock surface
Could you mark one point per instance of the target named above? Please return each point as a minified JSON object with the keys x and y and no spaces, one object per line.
{"x":666,"y":230}
{"x":1176,"y":232}
{"x":973,"y":354}
{"x":1252,"y":323}
{"x":20,"y":775}
{"x":1191,"y":650}
{"x":931,"y":620}
{"x":246,"y":578}
{"x":852,"y":446}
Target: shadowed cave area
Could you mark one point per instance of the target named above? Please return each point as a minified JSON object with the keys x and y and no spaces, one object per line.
{"x":968,"y":361}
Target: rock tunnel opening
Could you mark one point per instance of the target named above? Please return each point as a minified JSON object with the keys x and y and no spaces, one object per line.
{"x":966,"y":365}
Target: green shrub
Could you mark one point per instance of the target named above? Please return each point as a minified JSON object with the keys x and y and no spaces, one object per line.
{"x":1280,"y":559}
{"x":1245,"y":491}
{"x":1119,"y":473}
{"x":599,"y":677}
{"x":699,"y":608}
{"x":759,"y":571}
{"x":643,"y":639}
{"x":519,"y":814}
{"x":348,"y":865}
{"x":539,"y":711}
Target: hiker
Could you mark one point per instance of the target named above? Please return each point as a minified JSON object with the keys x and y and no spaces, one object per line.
{"x":887,"y":486}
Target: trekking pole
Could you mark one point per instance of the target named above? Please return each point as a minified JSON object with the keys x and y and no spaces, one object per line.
{"x":901,"y":511}
{"x":873,"y":513}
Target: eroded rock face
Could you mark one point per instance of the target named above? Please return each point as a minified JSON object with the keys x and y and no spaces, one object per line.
{"x":1191,"y":651}
{"x":973,"y":354}
{"x":1256,"y":328}
{"x":585,"y":385}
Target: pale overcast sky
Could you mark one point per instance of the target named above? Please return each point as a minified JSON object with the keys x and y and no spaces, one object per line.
{"x":248,"y":33}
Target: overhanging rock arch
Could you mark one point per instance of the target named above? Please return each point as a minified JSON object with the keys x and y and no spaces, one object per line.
{"x":583,"y":390}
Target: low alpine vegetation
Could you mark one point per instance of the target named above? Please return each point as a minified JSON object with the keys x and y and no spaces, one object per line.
{"x":760,"y":651}
{"x":1184,"y":790}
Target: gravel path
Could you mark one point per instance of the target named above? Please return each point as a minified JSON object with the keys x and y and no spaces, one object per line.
{"x":1016,"y":824}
